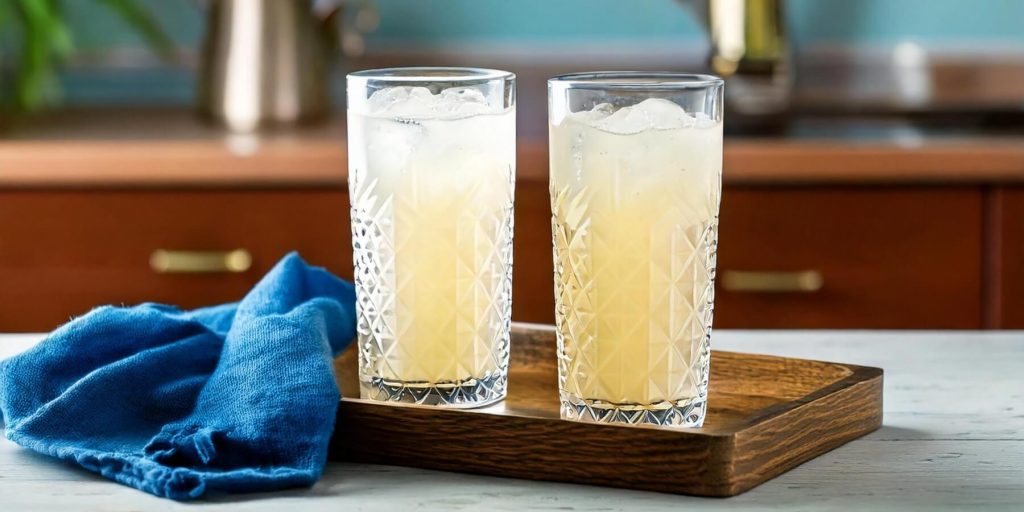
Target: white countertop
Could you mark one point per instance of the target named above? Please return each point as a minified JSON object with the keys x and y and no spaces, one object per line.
{"x":953,"y":438}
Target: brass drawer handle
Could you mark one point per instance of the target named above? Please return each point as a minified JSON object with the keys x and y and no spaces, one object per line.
{"x":163,"y":261}
{"x":805,"y":281}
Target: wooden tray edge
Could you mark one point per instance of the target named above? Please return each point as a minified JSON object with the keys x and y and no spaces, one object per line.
{"x":729,"y":467}
{"x":860,"y":394}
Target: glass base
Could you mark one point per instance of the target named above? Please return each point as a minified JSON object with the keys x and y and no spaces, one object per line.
{"x":688,"y":413}
{"x":462,"y":394}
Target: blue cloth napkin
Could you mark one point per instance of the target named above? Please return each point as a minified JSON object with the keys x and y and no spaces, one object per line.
{"x":233,"y":398}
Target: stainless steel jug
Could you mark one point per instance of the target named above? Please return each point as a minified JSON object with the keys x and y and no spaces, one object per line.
{"x":264,"y":62}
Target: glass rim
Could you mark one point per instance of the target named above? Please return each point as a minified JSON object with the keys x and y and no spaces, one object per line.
{"x":636,"y":80}
{"x":426,"y":74}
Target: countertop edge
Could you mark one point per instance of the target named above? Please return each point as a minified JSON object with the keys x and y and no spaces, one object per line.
{"x":320,"y":162}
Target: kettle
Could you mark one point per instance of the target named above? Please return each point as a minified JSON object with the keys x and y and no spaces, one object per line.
{"x":267,"y":62}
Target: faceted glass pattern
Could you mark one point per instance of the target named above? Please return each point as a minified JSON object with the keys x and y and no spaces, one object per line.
{"x":431,"y":189}
{"x":433,"y":298}
{"x":623,"y":359}
{"x":635,"y":192}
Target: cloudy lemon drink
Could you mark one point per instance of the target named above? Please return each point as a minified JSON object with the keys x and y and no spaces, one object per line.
{"x":431,"y":175}
{"x":635,"y":190}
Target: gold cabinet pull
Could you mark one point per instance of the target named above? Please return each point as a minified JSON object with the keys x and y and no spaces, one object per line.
{"x":804,"y":281}
{"x":163,"y":261}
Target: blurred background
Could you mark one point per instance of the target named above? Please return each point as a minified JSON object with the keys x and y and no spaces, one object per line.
{"x":173,"y":150}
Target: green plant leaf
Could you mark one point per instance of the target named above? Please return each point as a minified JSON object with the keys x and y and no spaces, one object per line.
{"x":60,"y":35}
{"x":5,"y":13}
{"x":45,"y":40}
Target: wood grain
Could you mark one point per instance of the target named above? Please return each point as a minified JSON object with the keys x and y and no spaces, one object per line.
{"x":766,"y":415}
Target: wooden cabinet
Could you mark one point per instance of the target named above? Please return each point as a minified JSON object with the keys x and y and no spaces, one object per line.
{"x":63,"y":252}
{"x":887,"y":257}
{"x":533,"y":281}
{"x":860,"y":235}
{"x":892,"y":257}
{"x":1006,"y":266}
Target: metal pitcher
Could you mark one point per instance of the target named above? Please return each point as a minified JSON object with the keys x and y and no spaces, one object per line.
{"x":267,"y":62}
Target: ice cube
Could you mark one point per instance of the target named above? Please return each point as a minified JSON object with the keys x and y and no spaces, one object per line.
{"x":599,"y":112}
{"x":650,"y":114}
{"x":704,"y":121}
{"x":419,"y":103}
{"x":382,"y":99}
{"x":663,"y":114}
{"x":392,"y":142}
{"x":459,"y":102}
{"x":624,"y":121}
{"x":462,"y":95}
{"x":603,"y":109}
{"x":401,"y":101}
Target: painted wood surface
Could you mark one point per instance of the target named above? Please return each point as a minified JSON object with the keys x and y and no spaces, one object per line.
{"x":952,"y":438}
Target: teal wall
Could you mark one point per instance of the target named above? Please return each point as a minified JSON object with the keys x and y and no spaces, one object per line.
{"x":496,"y":21}
{"x":812,"y":21}
{"x":422,"y":22}
{"x":929,"y":21}
{"x":95,"y":28}
{"x":535,"y":25}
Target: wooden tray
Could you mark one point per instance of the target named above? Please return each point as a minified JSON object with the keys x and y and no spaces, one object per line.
{"x":767,"y":414}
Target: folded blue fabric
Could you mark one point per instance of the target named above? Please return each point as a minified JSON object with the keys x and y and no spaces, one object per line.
{"x":232,"y":398}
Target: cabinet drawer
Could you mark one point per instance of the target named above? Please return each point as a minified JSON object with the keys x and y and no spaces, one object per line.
{"x":64,"y":252}
{"x":850,"y":258}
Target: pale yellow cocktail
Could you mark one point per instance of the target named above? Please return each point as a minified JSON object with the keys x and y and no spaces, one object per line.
{"x":635,"y":194}
{"x":431,"y":185}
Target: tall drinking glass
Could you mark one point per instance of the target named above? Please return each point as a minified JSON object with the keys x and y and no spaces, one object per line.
{"x":636,"y":170}
{"x":431,"y":176}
